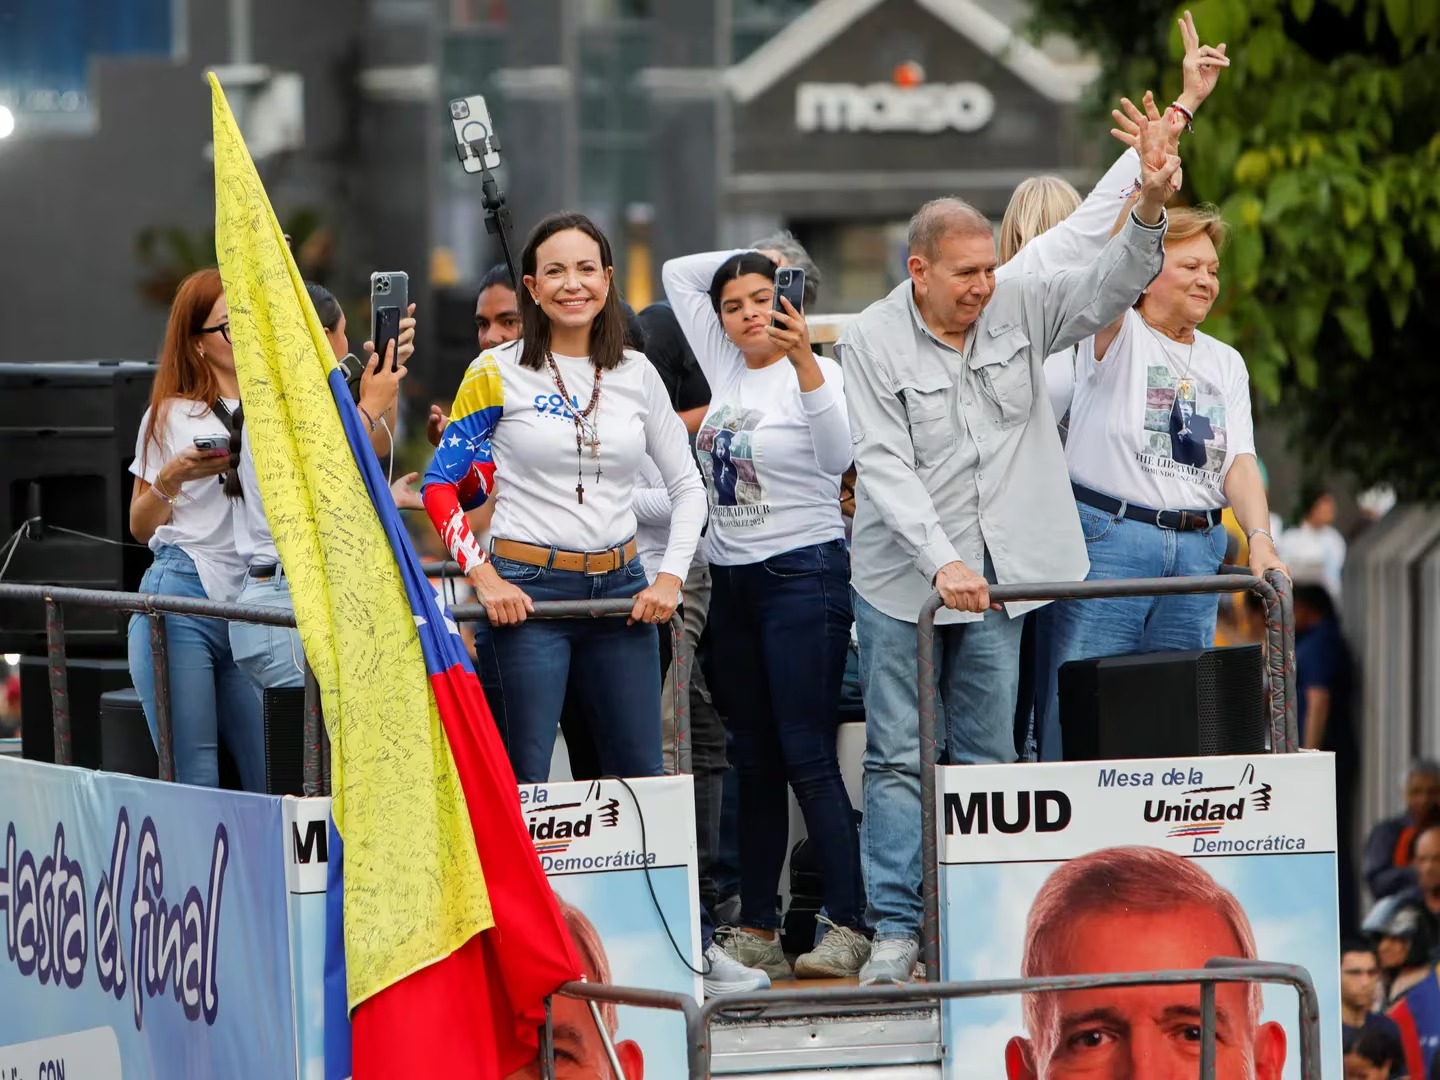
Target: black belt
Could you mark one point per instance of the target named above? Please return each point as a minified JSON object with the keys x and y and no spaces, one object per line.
{"x":1179,"y":520}
{"x":262,"y":572}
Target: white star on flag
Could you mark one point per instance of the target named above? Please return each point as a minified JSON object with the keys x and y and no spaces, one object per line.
{"x":454,"y":440}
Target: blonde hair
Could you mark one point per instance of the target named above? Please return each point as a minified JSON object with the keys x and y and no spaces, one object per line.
{"x":1188,"y":221}
{"x":1128,"y":879}
{"x":1040,"y":203}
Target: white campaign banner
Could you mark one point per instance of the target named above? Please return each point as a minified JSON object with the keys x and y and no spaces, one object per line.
{"x":1090,"y":867}
{"x":622,"y":859}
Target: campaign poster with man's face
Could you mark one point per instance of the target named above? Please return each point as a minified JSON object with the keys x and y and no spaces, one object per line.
{"x":1093,"y":867}
{"x":603,"y":867}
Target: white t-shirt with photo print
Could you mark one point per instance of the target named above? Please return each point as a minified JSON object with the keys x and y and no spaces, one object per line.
{"x":1134,"y":434}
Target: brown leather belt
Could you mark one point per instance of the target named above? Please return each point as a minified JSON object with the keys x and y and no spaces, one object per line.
{"x":576,"y":562}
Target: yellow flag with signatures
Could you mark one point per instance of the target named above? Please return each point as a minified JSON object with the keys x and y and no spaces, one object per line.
{"x":413,"y":888}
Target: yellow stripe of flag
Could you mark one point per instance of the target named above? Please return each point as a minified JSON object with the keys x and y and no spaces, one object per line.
{"x":414,"y":892}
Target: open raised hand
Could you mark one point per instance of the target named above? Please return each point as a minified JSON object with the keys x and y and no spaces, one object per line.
{"x":1156,"y":138}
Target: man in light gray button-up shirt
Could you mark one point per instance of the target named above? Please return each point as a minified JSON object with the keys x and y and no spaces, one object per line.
{"x":962,"y":482}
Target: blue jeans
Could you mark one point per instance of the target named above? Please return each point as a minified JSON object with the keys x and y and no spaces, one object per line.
{"x":271,"y":656}
{"x":525,"y":670}
{"x":977,"y":666}
{"x":779,"y":630}
{"x":1121,"y":548}
{"x":210,"y":698}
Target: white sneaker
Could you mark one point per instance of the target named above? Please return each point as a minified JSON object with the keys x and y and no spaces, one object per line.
{"x":891,"y":961}
{"x":726,"y":975}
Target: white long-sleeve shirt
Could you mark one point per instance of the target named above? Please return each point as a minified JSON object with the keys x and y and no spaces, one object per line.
{"x":772,"y":456}
{"x":511,"y":424}
{"x":1069,"y":245}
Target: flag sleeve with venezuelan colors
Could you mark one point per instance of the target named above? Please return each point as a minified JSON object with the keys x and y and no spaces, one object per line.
{"x":445,"y":967}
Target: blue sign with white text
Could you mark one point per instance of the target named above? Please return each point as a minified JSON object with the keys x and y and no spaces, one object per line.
{"x":144,"y":929}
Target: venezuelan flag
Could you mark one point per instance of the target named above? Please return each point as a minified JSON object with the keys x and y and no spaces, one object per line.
{"x":443,"y":967}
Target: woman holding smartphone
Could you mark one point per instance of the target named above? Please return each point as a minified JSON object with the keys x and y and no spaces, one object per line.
{"x":773,"y":447}
{"x":179,"y":508}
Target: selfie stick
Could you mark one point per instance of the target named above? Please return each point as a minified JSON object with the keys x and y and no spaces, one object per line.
{"x":497,"y":214}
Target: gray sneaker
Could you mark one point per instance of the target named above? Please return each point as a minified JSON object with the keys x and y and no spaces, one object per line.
{"x":840,"y":955}
{"x":891,"y":961}
{"x":754,"y":951}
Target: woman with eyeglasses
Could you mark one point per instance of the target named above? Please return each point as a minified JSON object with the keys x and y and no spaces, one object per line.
{"x":271,"y":655}
{"x":179,"y":508}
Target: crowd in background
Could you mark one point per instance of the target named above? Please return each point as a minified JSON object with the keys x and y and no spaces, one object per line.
{"x":1047,"y":411}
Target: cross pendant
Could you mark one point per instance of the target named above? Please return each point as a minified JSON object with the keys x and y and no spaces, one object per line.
{"x":1184,"y":388}
{"x":595,"y":449}
{"x":598,"y":474}
{"x":580,"y":494}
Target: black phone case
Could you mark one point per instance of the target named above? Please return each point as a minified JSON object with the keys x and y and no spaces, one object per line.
{"x":794,"y":291}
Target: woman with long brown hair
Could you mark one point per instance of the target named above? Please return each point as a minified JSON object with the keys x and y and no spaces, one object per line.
{"x":179,"y":508}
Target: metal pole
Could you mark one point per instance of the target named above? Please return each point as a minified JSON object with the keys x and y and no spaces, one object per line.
{"x":59,"y":681}
{"x":616,"y":1068}
{"x":313,"y":764}
{"x":160,"y":665}
{"x":1300,"y":979}
{"x":929,"y":758}
{"x":547,"y":1043}
{"x":1285,"y":589}
{"x":684,"y":762}
{"x":1207,"y":1031}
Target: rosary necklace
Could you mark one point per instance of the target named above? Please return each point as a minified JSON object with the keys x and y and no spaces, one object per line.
{"x":587,"y":431}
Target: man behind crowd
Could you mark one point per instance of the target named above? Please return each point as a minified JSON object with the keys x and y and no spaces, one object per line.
{"x":962,"y":483}
{"x":1138,"y":909}
{"x":579,"y":1051}
{"x":1390,"y":850}
{"x":1359,"y":985}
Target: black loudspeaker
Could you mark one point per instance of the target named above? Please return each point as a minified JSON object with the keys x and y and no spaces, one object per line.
{"x":86,"y":681}
{"x":125,"y":744}
{"x":1167,"y":704}
{"x":67,"y":437}
{"x":285,"y":741}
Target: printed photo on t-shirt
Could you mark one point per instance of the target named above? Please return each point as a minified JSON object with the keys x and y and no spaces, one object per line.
{"x":1184,"y":433}
{"x":726,"y":449}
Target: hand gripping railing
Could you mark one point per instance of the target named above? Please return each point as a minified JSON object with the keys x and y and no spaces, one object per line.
{"x":1278,"y":647}
{"x":316,"y":747}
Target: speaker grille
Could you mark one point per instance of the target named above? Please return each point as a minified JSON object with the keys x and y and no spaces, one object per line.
{"x":1231,"y":696}
{"x":284,"y":741}
{"x":1167,"y":704}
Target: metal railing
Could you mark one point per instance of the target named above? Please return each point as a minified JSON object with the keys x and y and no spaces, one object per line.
{"x":698,"y":1020}
{"x":1278,"y":649}
{"x":316,"y":764}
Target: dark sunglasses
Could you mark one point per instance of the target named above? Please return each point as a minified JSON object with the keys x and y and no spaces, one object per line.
{"x":222,"y":328}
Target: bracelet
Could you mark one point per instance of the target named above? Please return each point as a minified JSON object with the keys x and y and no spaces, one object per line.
{"x":173,"y":500}
{"x":365,"y":414}
{"x":1189,"y":116}
{"x":1260,"y":532}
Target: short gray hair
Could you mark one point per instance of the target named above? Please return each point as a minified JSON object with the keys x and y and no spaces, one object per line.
{"x":784,"y":244}
{"x":938,"y":218}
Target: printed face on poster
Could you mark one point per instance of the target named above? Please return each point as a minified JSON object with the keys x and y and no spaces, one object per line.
{"x":1090,"y":867}
{"x":598,"y":843}
{"x":144,"y":929}
{"x":595,"y":842}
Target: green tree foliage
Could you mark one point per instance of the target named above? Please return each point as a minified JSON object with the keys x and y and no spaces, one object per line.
{"x":1321,"y":146}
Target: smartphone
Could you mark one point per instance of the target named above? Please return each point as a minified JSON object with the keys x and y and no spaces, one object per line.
{"x":471,"y":120}
{"x":789,"y":283}
{"x":212,"y":442}
{"x":389,"y":299}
